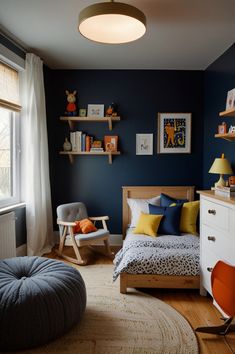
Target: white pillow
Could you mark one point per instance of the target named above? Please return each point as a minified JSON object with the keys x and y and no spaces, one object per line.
{"x":138,"y":205}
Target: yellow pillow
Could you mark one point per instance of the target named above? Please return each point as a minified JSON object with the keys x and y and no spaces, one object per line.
{"x":148,"y":224}
{"x":188,"y":219}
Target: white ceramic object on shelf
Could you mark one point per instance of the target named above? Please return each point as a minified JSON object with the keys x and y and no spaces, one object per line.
{"x":67,"y":145}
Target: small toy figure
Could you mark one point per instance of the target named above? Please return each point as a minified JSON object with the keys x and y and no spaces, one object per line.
{"x":71,"y":109}
{"x":111,"y":111}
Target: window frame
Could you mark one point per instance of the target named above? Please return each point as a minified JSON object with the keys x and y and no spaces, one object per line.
{"x":15,"y":161}
{"x":11,"y":59}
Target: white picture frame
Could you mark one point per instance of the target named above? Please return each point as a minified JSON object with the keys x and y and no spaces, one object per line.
{"x":144,"y":144}
{"x":174,"y":133}
{"x":95,"y":110}
{"x":230,"y":102}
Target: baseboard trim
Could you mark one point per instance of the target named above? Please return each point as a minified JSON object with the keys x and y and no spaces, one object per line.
{"x":21,"y":250}
{"x":115,"y":239}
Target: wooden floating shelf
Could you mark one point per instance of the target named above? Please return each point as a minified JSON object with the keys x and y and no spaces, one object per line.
{"x":228,"y":113}
{"x":72,"y":120}
{"x":110,"y":154}
{"x":228,"y":136}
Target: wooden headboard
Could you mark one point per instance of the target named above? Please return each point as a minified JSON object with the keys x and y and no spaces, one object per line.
{"x":146,"y":192}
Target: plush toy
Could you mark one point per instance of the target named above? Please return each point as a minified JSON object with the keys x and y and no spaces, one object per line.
{"x":71,"y":109}
{"x":111,"y":111}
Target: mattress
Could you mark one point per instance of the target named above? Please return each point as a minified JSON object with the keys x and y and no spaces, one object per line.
{"x":164,"y":255}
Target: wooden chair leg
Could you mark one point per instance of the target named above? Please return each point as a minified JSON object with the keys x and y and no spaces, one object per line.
{"x":60,"y":253}
{"x":80,"y":261}
{"x":108,"y":251}
{"x":62,"y":241}
{"x":222,"y":330}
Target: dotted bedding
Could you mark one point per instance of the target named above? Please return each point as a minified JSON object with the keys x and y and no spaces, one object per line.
{"x":165,"y":255}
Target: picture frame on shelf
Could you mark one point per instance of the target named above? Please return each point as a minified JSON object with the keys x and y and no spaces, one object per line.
{"x":222,"y":128}
{"x":230,"y":102}
{"x":231,"y":129}
{"x":82,"y":112}
{"x":95,"y":110}
{"x":144,"y":144}
{"x":174,"y":133}
{"x":110,"y":143}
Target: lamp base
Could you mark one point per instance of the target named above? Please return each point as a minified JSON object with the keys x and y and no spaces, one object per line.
{"x":220,"y":182}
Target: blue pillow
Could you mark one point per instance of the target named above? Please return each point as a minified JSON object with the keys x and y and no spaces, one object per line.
{"x":166,"y":200}
{"x":170,"y":223}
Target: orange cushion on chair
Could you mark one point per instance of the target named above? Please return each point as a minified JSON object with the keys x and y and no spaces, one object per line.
{"x":87,"y":226}
{"x":84,"y":226}
{"x":77,"y":228}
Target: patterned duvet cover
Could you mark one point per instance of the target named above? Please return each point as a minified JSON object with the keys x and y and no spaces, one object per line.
{"x":165,"y":255}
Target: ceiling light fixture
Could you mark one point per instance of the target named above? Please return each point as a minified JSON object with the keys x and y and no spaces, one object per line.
{"x":112,"y":23}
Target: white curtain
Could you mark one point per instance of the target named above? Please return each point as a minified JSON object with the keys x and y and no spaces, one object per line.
{"x":36,"y":190}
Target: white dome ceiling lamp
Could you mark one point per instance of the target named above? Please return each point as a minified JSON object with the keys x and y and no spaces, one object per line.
{"x":112,"y":23}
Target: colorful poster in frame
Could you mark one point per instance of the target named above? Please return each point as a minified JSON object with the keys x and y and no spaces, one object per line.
{"x":174,"y":133}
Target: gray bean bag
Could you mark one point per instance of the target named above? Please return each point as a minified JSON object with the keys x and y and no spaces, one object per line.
{"x":40,"y":299}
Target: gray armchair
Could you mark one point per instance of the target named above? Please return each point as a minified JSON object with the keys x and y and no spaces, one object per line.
{"x":67,"y":214}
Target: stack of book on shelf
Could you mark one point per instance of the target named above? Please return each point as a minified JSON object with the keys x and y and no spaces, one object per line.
{"x":96,"y":146}
{"x":80,"y":141}
{"x":225,"y":191}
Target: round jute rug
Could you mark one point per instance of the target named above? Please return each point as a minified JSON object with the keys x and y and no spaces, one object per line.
{"x":123,"y":324}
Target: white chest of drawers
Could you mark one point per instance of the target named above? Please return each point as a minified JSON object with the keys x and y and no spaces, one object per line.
{"x":217,"y":234}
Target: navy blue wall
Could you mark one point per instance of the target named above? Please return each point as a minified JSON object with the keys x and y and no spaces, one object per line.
{"x":219,"y":79}
{"x":140,"y":95}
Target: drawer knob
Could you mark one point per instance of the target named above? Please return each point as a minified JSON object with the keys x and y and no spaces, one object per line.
{"x":209,"y":269}
{"x":211,"y":238}
{"x":212,"y":211}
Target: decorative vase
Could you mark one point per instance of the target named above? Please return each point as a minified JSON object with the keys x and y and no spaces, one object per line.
{"x":67,"y":145}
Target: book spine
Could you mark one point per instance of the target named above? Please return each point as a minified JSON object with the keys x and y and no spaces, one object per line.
{"x":73,"y":141}
{"x":225,"y":189}
{"x":79,"y":141}
{"x":88,"y":143}
{"x":96,"y":149}
{"x":83,"y":142}
{"x":224,"y":193}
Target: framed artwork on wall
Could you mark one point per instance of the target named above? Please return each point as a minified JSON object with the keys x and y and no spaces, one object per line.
{"x":95,"y":110}
{"x":230,"y":102}
{"x":144,"y":144}
{"x":174,"y":133}
{"x":110,"y":142}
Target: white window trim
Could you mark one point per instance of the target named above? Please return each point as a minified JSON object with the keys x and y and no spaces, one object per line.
{"x":10,"y":58}
{"x":15,"y":163}
{"x":15,"y":61}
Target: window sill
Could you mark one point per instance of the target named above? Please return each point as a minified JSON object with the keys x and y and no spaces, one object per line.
{"x":12,"y":207}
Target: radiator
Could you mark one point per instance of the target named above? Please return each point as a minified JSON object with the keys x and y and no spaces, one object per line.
{"x":7,"y":236}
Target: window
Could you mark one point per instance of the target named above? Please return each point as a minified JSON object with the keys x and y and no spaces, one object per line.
{"x":9,"y":136}
{"x":9,"y":157}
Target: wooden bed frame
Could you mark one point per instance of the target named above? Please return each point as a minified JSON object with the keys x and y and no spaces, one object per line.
{"x":154,"y":280}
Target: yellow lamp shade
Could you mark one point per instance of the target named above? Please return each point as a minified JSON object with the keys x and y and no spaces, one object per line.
{"x":221,"y":166}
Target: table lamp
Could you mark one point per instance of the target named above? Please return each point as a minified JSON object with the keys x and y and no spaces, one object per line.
{"x":221,"y":166}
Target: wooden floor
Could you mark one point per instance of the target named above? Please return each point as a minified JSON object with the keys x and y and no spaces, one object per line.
{"x":198,"y":310}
